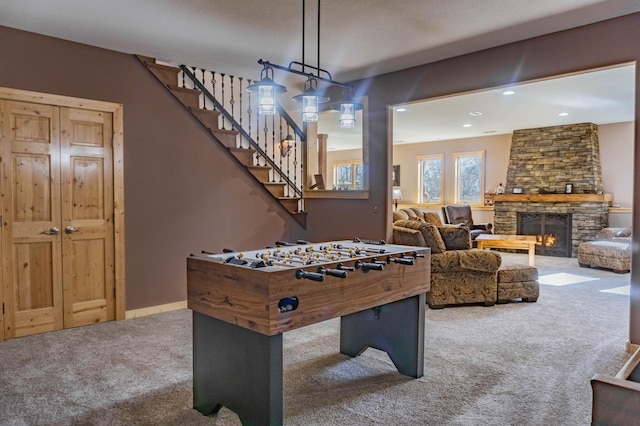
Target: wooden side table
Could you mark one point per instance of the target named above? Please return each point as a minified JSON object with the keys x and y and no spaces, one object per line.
{"x":514,"y":242}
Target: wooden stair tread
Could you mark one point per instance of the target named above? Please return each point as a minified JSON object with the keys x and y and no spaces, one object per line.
{"x":162,"y":67}
{"x":242,"y":150}
{"x":226,"y":131}
{"x":183,"y":90}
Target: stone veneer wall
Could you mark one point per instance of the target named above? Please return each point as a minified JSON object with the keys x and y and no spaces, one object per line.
{"x":545,"y":159}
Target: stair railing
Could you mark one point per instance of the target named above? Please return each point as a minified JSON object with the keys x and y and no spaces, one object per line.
{"x":286,"y":162}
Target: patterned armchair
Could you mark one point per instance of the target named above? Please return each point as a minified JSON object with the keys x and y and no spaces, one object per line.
{"x":459,"y":274}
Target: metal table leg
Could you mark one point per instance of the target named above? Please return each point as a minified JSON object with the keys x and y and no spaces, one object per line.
{"x":236,"y":368}
{"x":396,"y":328}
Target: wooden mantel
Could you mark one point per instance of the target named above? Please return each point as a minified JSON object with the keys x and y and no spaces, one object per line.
{"x":552,"y":198}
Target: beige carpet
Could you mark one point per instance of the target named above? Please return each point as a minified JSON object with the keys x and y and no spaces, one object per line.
{"x":513,"y":364}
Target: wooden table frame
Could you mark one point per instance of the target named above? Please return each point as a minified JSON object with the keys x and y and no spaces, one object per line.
{"x":238,"y":326}
{"x":514,"y":242}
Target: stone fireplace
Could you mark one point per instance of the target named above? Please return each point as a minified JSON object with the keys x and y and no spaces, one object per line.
{"x":544,"y":164}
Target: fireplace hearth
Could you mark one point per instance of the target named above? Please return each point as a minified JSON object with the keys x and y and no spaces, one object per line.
{"x":552,"y":232}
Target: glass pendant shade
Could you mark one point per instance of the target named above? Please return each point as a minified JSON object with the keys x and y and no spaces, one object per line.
{"x":309,"y":108}
{"x":266,"y":100}
{"x":347,"y":115}
{"x":267,"y":91}
{"x":347,"y":108}
{"x":310,"y":99}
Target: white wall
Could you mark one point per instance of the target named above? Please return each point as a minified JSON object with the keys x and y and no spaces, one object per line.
{"x":616,"y":158}
{"x":496,"y":161}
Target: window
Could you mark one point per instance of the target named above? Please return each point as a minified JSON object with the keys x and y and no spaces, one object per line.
{"x":347,"y":175}
{"x":468,"y":177}
{"x":430,"y":179}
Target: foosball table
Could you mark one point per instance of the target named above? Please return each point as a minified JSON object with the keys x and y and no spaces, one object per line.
{"x":243,"y":302}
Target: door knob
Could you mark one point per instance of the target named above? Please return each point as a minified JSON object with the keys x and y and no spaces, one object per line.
{"x":52,"y":231}
{"x":70,"y":230}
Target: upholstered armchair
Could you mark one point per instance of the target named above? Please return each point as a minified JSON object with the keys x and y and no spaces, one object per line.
{"x":416,"y":213}
{"x":461,"y":215}
{"x":459,"y":274}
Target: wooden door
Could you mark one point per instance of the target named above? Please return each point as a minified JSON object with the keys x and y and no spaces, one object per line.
{"x":30,"y":193}
{"x":87,"y":216}
{"x":57,"y":192}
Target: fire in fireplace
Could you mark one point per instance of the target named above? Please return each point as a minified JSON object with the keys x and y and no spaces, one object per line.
{"x":552,"y":231}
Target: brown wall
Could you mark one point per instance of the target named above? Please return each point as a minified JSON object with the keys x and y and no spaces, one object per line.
{"x":173,"y":193}
{"x":602,"y":44}
{"x":183,"y":192}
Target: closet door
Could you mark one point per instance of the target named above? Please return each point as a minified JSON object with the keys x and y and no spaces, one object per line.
{"x":31,"y":243}
{"x":87,"y":216}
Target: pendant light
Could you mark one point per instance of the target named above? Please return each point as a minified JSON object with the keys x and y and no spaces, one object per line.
{"x":267,"y":91}
{"x":310,"y":98}
{"x":348,"y":108}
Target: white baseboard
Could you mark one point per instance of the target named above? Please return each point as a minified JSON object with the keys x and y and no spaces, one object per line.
{"x":136,"y":313}
{"x":631,"y":347}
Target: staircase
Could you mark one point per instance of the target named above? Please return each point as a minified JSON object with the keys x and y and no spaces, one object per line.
{"x":256,"y":147}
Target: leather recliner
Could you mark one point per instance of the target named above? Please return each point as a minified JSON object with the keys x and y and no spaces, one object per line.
{"x":461,"y":215}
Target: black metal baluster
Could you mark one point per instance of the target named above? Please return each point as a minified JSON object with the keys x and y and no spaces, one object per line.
{"x":282,"y":150}
{"x":232,"y":101}
{"x":240,"y":90}
{"x":273,"y":143}
{"x":222,"y":99}
{"x":204,"y":99}
{"x":258,"y":140}
{"x":266,"y":130}
{"x":249,"y":111}
{"x":213,"y":87}
{"x":288,"y":159}
{"x":295,"y":161}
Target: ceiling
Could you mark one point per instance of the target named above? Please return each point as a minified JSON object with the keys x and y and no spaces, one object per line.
{"x":597,"y":96}
{"x":358,"y":39}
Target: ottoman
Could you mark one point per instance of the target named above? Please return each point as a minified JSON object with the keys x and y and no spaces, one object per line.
{"x":608,"y":254}
{"x":516,"y":281}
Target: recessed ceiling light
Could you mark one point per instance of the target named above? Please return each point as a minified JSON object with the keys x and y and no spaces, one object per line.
{"x":466,"y":125}
{"x":476,"y":113}
{"x":508,"y":92}
{"x":401,"y":109}
{"x":563,"y":114}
